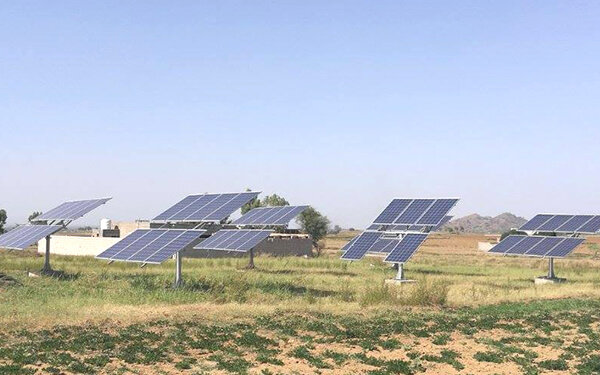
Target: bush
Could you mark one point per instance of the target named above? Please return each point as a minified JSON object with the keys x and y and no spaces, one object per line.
{"x":422,"y":293}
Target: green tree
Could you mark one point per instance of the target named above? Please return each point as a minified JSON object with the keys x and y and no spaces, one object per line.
{"x":268,"y":201}
{"x":3,"y":217}
{"x":336,"y":229}
{"x":33,"y":216}
{"x":315,"y":224}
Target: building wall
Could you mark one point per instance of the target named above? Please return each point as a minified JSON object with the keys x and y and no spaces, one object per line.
{"x":72,"y":245}
{"x":126,"y":227}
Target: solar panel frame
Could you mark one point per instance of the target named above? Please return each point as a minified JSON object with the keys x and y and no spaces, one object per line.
{"x":406,"y":248}
{"x":444,"y":221}
{"x":384,"y":245}
{"x":361,"y":246}
{"x":24,"y":236}
{"x":349,"y":243}
{"x":71,"y":210}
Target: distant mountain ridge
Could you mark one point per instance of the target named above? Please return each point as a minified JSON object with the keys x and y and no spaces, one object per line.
{"x":476,"y":223}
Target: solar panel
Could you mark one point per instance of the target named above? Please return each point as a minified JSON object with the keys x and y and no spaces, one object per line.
{"x":206,"y":207}
{"x":414,"y":211}
{"x":405,"y":248}
{"x":151,"y":245}
{"x":373,"y":227}
{"x":536,"y":222}
{"x":436,"y":213}
{"x":524,"y":246}
{"x":24,"y":236}
{"x":506,"y":244}
{"x":350,"y":243}
{"x":270,"y":215}
{"x":241,"y":240}
{"x":544,"y":246}
{"x":392,"y":211}
{"x":362,"y":244}
{"x":565,"y":247}
{"x":71,"y":210}
{"x":537,"y":246}
{"x":556,"y":222}
{"x":383,"y":245}
{"x":444,"y":221}
{"x":575,"y":223}
{"x":591,"y":226}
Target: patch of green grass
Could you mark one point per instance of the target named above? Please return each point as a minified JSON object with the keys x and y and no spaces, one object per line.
{"x":554,"y":364}
{"x":446,"y":356}
{"x":492,"y":357}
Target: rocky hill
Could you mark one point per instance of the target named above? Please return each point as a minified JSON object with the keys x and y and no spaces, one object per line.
{"x":485,"y":224}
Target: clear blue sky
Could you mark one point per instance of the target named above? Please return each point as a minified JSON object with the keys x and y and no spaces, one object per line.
{"x":338,"y":104}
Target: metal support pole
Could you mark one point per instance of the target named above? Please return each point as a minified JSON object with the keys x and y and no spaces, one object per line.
{"x":251,"y":262}
{"x":178,"y":279}
{"x":400,"y":274}
{"x":551,"y":268}
{"x":47,"y":268}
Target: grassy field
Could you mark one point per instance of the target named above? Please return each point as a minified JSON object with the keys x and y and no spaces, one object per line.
{"x":469,"y":313}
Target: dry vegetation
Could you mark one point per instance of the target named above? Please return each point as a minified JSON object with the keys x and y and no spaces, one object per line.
{"x":469,"y":313}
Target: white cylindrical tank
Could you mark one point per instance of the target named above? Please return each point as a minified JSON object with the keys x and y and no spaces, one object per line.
{"x":105,"y":224}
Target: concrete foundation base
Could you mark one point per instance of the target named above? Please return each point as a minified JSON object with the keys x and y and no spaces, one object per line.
{"x":399,"y":281}
{"x":549,"y":280}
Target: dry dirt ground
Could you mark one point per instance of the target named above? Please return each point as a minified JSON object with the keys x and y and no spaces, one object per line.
{"x":470,"y":313}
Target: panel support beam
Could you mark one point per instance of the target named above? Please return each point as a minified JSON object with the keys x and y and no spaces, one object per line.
{"x":551,"y":274}
{"x":250,"y":265}
{"x":178,"y":278}
{"x":47,"y":268}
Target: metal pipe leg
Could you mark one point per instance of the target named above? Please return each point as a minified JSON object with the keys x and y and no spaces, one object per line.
{"x":178,"y":279}
{"x":47,"y":268}
{"x":400,"y":274}
{"x":551,"y":274}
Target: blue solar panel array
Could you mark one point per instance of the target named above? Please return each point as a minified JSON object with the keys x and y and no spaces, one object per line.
{"x":444,"y":221}
{"x":241,"y":240}
{"x":270,"y":215}
{"x":405,"y":248}
{"x":420,"y":212}
{"x":537,"y":246}
{"x":24,"y":236}
{"x":151,"y":245}
{"x":349,"y":244}
{"x":563,"y":223}
{"x":384,"y":245}
{"x":71,"y":210}
{"x":361,"y":245}
{"x":206,"y":207}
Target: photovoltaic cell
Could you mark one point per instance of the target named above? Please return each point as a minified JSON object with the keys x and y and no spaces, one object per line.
{"x":350,"y":243}
{"x":537,"y":246}
{"x":506,"y":244}
{"x":591,"y":226}
{"x":71,"y":210}
{"x":206,"y":207}
{"x":544,"y":246}
{"x":24,"y":236}
{"x":564,"y":248}
{"x":405,"y":249}
{"x":270,"y":215}
{"x":242,"y":240}
{"x":362,"y":244}
{"x":525,"y":245}
{"x":392,"y":211}
{"x":536,"y":222}
{"x":555,"y":223}
{"x":575,"y":223}
{"x":414,"y":211}
{"x":444,"y":221}
{"x":436,"y":213}
{"x":151,"y":245}
{"x":383,"y":245}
